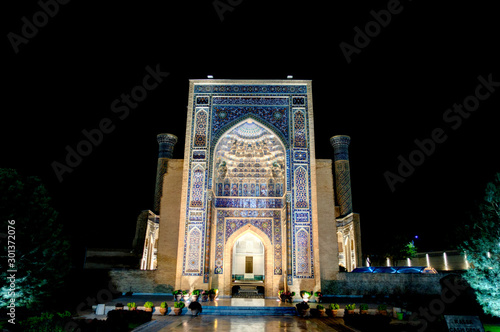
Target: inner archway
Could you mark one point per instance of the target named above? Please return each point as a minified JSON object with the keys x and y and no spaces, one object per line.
{"x":248,"y":259}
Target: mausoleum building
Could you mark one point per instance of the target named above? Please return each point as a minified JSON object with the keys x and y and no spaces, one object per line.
{"x":250,"y":203}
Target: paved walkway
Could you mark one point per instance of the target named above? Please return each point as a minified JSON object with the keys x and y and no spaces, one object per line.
{"x":242,"y":324}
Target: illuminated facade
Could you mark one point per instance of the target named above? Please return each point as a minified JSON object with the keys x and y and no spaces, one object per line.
{"x":250,"y":202}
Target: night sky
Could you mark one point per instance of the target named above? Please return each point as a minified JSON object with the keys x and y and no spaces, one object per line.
{"x":398,"y":87}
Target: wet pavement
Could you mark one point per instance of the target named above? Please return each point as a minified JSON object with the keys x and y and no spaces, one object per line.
{"x":243,"y":324}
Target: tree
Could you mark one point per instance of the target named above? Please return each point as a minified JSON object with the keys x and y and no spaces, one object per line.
{"x":41,"y":251}
{"x":483,"y":250}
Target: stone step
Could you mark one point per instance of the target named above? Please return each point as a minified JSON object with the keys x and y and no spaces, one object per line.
{"x":228,"y":310}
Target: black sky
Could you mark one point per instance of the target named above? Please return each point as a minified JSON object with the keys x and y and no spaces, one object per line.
{"x":396,"y":90}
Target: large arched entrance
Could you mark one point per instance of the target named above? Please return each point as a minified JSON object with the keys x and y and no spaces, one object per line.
{"x":249,"y":185}
{"x":268,"y":282}
{"x":248,"y":259}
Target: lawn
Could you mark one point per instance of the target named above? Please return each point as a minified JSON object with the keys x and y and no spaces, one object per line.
{"x":491,"y":328}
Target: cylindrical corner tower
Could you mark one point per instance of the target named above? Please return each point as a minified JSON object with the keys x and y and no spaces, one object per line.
{"x":340,"y":145}
{"x":165,"y":152}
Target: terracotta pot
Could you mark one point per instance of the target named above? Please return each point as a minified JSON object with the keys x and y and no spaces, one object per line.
{"x":163,"y":311}
{"x":322,"y":312}
{"x":363,"y":312}
{"x":212,"y":297}
{"x":350,"y":312}
{"x":148,"y":309}
{"x":333,"y":312}
{"x":383,"y":312}
{"x":177,"y":311}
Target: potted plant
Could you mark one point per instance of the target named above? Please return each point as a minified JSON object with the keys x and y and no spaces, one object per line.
{"x":334,"y":307}
{"x":303,"y":309}
{"x":163,"y":308}
{"x":363,"y":308}
{"x":185,"y":295}
{"x":178,"y":306}
{"x":194,"y":295}
{"x":212,"y":293}
{"x":286,"y":296}
{"x":305,"y":295}
{"x":132,"y":306}
{"x":349,"y":308}
{"x":382,"y":309}
{"x":177,"y":295}
{"x":148,"y":306}
{"x":119,"y":306}
{"x":204,"y":296}
{"x":319,"y":296}
{"x":321,"y":310}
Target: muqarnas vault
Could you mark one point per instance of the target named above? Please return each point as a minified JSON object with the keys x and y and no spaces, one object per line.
{"x":250,"y":203}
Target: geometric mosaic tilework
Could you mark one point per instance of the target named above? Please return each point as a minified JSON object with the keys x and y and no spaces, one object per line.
{"x":194,"y":250}
{"x":265,"y":225}
{"x":283,"y":110}
{"x":302,"y":252}
{"x":229,"y":221}
{"x":274,"y":115}
{"x":299,"y":126}
{"x":197,"y":185}
{"x":249,"y":203}
{"x":343,"y":182}
{"x":200,"y":131}
{"x":301,"y":188}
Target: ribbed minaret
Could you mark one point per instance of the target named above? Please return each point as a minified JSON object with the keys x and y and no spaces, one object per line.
{"x":166,"y":151}
{"x":340,"y":145}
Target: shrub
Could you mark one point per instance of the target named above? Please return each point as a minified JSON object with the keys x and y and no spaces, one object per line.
{"x":382,"y":307}
{"x":196,"y":292}
{"x":179,"y":305}
{"x":148,"y":304}
{"x":320,"y":307}
{"x":163,"y":305}
{"x":351,"y":306}
{"x":131,"y":305}
{"x":334,"y":306}
{"x":46,"y":322}
{"x":305,"y":293}
{"x":363,"y":306}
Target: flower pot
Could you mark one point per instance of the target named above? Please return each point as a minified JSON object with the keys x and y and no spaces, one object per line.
{"x":363,"y":312}
{"x":195,"y":312}
{"x":383,"y":312}
{"x":322,"y":312}
{"x":186,"y":298}
{"x":177,"y":311}
{"x":400,"y":315}
{"x":178,"y":297}
{"x":212,"y":297}
{"x":332,"y":312}
{"x":148,"y":309}
{"x":350,"y":312}
{"x":194,"y":297}
{"x":163,"y":311}
{"x":204,"y":298}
